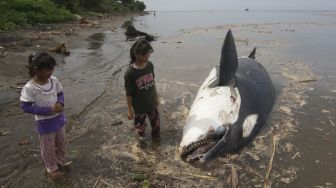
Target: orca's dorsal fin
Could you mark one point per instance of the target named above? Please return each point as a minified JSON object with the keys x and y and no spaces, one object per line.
{"x":228,"y":61}
{"x":252,"y":54}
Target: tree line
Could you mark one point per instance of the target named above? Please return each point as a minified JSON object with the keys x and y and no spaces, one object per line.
{"x":16,"y":14}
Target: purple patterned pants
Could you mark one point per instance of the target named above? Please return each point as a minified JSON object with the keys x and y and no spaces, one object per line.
{"x":52,"y":146}
{"x":140,"y":122}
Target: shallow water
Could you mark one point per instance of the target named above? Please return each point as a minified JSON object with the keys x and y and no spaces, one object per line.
{"x":164,"y":22}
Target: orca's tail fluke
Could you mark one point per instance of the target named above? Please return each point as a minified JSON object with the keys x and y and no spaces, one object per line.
{"x":252,"y":54}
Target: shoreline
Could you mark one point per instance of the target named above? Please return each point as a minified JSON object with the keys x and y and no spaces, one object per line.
{"x":17,"y":127}
{"x":22,"y":43}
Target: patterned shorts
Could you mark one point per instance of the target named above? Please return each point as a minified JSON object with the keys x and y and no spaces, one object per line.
{"x":52,"y":146}
{"x":140,"y":122}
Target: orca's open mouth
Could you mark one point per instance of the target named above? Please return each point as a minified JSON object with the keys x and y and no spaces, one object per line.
{"x":196,"y":150}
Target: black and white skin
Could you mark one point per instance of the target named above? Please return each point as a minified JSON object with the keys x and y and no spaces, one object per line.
{"x":231,"y":106}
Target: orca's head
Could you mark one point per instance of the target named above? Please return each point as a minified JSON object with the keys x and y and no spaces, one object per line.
{"x":216,"y":106}
{"x":214,"y":109}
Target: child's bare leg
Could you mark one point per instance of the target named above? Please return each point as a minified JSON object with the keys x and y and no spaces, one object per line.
{"x":154,"y":118}
{"x":47,"y":147}
{"x":60,"y":147}
{"x":140,"y":124}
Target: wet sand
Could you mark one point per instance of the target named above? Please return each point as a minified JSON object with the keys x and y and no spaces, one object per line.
{"x":102,"y":142}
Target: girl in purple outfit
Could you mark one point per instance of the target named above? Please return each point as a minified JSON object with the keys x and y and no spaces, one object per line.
{"x":43,"y":97}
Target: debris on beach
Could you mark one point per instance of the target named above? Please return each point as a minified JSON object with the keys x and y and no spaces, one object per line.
{"x":132,"y":33}
{"x":83,"y":20}
{"x":3,"y":132}
{"x":16,"y":87}
{"x":116,"y":123}
{"x":2,"y":52}
{"x":79,"y":135}
{"x":288,"y":30}
{"x":24,"y":142}
{"x":234,"y":177}
{"x":61,"y":49}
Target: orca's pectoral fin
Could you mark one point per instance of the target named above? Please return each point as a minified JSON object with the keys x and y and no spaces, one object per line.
{"x":213,"y":152}
{"x":252,"y":54}
{"x":223,"y":146}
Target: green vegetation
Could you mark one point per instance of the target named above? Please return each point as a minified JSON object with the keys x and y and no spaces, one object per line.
{"x":16,"y":13}
{"x":20,"y":13}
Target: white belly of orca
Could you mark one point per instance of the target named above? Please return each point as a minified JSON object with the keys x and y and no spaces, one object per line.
{"x":213,"y":108}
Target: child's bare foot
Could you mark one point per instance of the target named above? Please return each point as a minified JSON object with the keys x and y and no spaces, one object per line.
{"x":141,"y":141}
{"x":56,"y":174}
{"x":156,"y":135}
{"x":65,"y":166}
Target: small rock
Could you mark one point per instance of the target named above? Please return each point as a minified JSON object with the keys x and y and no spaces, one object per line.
{"x":286,"y":109}
{"x":253,"y":156}
{"x":325,"y":111}
{"x":2,"y":133}
{"x":2,"y":52}
{"x":24,"y":142}
{"x":285,"y":180}
{"x":116,"y":123}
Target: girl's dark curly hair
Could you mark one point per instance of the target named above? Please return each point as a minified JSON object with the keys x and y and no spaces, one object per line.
{"x":141,"y":46}
{"x":39,"y":61}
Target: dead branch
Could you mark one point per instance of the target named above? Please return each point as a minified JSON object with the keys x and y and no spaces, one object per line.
{"x":297,"y":154}
{"x":81,"y":134}
{"x":108,"y":184}
{"x":252,"y":171}
{"x":234,"y":178}
{"x":267,"y":183}
{"x":170,"y":174}
{"x":308,"y":80}
{"x":94,"y":186}
{"x":200,"y":176}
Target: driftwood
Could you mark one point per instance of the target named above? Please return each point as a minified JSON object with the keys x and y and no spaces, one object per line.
{"x":108,"y":184}
{"x":267,"y":183}
{"x":94,"y":186}
{"x":234,"y":178}
{"x":2,"y":52}
{"x":116,"y":123}
{"x":2,"y":133}
{"x":61,"y":49}
{"x":171,"y":175}
{"x":200,"y":176}
{"x":83,"y":20}
{"x":308,"y":80}
{"x":131,"y":32}
{"x":16,"y":87}
{"x":297,"y":154}
{"x":81,"y":134}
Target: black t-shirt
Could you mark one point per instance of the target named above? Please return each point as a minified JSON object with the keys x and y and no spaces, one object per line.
{"x":140,"y":85}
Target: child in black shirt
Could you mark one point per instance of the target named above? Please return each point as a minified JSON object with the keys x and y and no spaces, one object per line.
{"x":141,"y":94}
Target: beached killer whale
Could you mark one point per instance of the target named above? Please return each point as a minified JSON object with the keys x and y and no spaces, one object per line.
{"x":231,"y":106}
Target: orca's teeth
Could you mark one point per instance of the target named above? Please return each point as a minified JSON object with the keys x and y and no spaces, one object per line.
{"x":187,"y":150}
